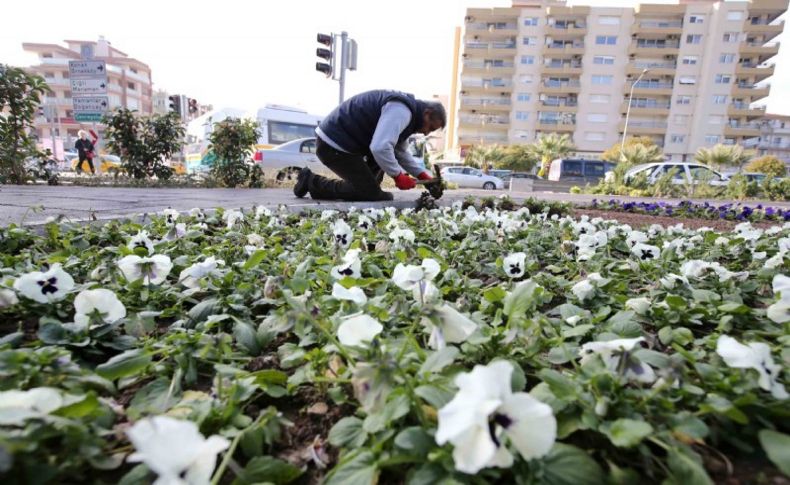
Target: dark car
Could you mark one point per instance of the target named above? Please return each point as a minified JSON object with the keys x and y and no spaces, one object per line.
{"x":577,"y":170}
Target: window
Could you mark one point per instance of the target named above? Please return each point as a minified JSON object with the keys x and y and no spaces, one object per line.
{"x":115,"y":100}
{"x":529,"y":41}
{"x":730,"y":37}
{"x":727,"y":58}
{"x":683,"y":100}
{"x":608,"y":20}
{"x":607,"y":60}
{"x":693,"y":39}
{"x":601,"y":80}
{"x":711,"y":139}
{"x":606,"y":39}
{"x":521,"y":134}
{"x":49,"y":75}
{"x":690,"y":60}
{"x":715,"y":119}
{"x":134,"y":71}
{"x":703,"y":173}
{"x":735,"y":15}
{"x":522,"y":115}
{"x":67,"y":94}
{"x":677,"y":138}
{"x":47,"y":55}
{"x":723,"y":79}
{"x":571,"y":168}
{"x":524,"y":97}
{"x":594,"y":136}
{"x":529,"y":60}
{"x":687,"y":80}
{"x":284,"y":131}
{"x":681,"y":119}
{"x":719,"y":99}
{"x":696,"y":19}
{"x":599,"y":98}
{"x":594,"y":169}
{"x":525,"y":79}
{"x":130,"y":86}
{"x":530,"y":21}
{"x":596,"y":118}
{"x":307,"y":147}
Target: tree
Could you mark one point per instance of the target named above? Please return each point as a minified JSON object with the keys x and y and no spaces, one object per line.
{"x":769,"y":165}
{"x":20,"y":96}
{"x":518,"y":158}
{"x":637,"y":154}
{"x":723,"y":156}
{"x":483,"y":156}
{"x":144,"y":143}
{"x":613,"y":153}
{"x":550,"y":147}
{"x":232,"y":141}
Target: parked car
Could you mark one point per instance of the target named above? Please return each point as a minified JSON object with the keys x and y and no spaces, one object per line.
{"x":504,"y":175}
{"x":471,"y":178}
{"x":750,"y":176}
{"x":286,"y":160}
{"x":694,"y":173}
{"x":577,"y":170}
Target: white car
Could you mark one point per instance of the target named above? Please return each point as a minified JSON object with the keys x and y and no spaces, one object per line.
{"x":471,"y":178}
{"x":286,"y":160}
{"x":693,"y":173}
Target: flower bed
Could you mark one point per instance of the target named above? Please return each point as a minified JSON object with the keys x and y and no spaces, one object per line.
{"x":442,"y":346}
{"x":685,"y":208}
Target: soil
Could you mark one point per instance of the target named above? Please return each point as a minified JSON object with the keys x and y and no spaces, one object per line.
{"x":643,"y":220}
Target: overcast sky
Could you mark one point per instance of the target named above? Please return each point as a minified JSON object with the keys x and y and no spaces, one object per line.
{"x":247,"y":53}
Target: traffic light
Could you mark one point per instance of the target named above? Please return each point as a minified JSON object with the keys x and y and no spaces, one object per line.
{"x":327,"y":55}
{"x":175,"y":104}
{"x":193,"y":106}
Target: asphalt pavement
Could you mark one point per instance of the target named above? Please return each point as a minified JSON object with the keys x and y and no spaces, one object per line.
{"x":33,"y":204}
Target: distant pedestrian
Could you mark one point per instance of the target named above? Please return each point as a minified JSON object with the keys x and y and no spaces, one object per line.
{"x":86,"y":149}
{"x":366,"y":137}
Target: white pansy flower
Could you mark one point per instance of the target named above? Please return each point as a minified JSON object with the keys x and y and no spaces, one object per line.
{"x":171,"y":216}
{"x":781,"y":286}
{"x":721,"y":241}
{"x":486,"y":413}
{"x":645,"y":252}
{"x":639,"y":305}
{"x":355,"y":294}
{"x":175,"y":450}
{"x":513,"y":265}
{"x":350,"y":267}
{"x":176,"y":231}
{"x":779,"y":312}
{"x":583,"y":290}
{"x":583,"y":227}
{"x":358,"y":330}
{"x":256,"y":240}
{"x":101,"y":304}
{"x":190,"y":276}
{"x":7,"y":298}
{"x":408,"y":276}
{"x":45,"y":286}
{"x":754,"y":355}
{"x":364,"y":223}
{"x":636,"y":237}
{"x":616,"y":356}
{"x":774,"y":261}
{"x":328,"y":214}
{"x":342,"y":233}
{"x":671,"y":280}
{"x":141,"y":240}
{"x":452,"y":327}
{"x":197,"y":213}
{"x":232,"y":216}
{"x":152,"y":270}
{"x":261,"y":211}
{"x":400,"y":236}
{"x":18,"y":406}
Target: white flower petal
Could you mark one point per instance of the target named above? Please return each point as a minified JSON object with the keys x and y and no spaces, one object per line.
{"x":354,"y":294}
{"x":45,"y":287}
{"x":534,"y":427}
{"x":101,"y":300}
{"x":357,"y":330}
{"x":513,"y":265}
{"x":455,"y":326}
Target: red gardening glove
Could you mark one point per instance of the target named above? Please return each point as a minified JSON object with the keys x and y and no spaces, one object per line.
{"x":404,"y":182}
{"x":425,"y":176}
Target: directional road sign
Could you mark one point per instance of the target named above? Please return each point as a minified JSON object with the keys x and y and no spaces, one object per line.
{"x":88,"y":87}
{"x":91,"y":104}
{"x":88,"y":84}
{"x":88,"y":117}
{"x":88,"y":69}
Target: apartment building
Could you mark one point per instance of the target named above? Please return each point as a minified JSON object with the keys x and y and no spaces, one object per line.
{"x":774,"y":137}
{"x":697,"y":70}
{"x":129,"y":84}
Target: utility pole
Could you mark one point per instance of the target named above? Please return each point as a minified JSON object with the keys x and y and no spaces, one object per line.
{"x":344,"y":51}
{"x":628,"y":110}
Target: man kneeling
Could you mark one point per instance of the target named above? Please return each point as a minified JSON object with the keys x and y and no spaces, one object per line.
{"x":366,"y":137}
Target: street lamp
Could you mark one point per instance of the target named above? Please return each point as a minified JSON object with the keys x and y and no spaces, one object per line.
{"x":628,"y":110}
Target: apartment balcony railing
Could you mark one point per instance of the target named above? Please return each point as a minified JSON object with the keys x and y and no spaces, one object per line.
{"x":555,"y":121}
{"x":482,"y":64}
{"x":761,"y":44}
{"x":657,"y":45}
{"x":754,"y":65}
{"x":743,"y":126}
{"x":561,"y":84}
{"x":485,"y":101}
{"x":491,"y":26}
{"x":483,"y":138}
{"x":651,"y":85}
{"x":752,"y":86}
{"x":654,"y":65}
{"x":485,"y":119}
{"x":568,"y":26}
{"x":659,"y":24}
{"x":558,"y":45}
{"x":491,"y":45}
{"x":487,"y":83}
{"x":647,"y":124}
{"x":560,"y":102}
{"x":563,"y":65}
{"x":650,"y":104}
{"x":741,"y":105}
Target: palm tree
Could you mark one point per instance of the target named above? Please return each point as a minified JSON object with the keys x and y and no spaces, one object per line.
{"x":550,"y":147}
{"x":481,"y":156}
{"x":637,"y":154}
{"x":723,"y":155}
{"x":519,"y":158}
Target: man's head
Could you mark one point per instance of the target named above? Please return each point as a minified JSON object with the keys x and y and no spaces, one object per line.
{"x":434,"y":117}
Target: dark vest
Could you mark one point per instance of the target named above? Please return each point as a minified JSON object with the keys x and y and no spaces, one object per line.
{"x":352,"y":124}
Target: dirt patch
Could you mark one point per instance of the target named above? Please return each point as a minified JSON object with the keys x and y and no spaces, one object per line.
{"x":643,"y":220}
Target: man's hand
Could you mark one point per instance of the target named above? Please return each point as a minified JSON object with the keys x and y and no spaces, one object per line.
{"x":404,"y":182}
{"x":425,"y":176}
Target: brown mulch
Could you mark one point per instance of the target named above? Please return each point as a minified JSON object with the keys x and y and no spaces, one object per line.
{"x":644,"y":220}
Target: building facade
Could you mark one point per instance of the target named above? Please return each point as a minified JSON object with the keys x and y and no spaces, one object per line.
{"x":129,"y":85}
{"x":774,"y":137}
{"x":542,"y":66}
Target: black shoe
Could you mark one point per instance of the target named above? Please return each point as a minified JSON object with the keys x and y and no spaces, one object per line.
{"x":384,"y":195}
{"x":303,"y":182}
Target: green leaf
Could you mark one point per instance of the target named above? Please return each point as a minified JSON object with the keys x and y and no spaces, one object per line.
{"x":524,"y":297}
{"x":568,"y":465}
{"x":685,"y":469}
{"x":203,"y":310}
{"x":80,"y":409}
{"x":675,"y":302}
{"x":626,"y":433}
{"x":434,"y":395}
{"x":396,"y":407}
{"x":560,"y":386}
{"x":153,"y":398}
{"x":269,"y":470}
{"x":415,"y":440}
{"x":494,"y":294}
{"x":125,"y":364}
{"x":246,"y":337}
{"x":777,"y":447}
{"x":439,"y":359}
{"x":348,"y":433}
{"x":359,"y":470}
{"x":254,"y":259}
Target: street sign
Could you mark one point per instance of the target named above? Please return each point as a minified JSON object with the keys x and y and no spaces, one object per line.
{"x":88,"y":87}
{"x":88,"y":117}
{"x":97,"y":104}
{"x":88,"y":69}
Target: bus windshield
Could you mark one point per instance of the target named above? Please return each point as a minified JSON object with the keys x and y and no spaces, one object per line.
{"x":283,"y":131}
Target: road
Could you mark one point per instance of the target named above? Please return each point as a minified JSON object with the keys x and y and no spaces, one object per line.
{"x":33,"y":204}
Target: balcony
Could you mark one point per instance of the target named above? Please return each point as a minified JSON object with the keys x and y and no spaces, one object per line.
{"x":553,"y":124}
{"x":658,"y":27}
{"x":488,"y":66}
{"x":651,"y":88}
{"x":488,"y":104}
{"x":770,"y":29}
{"x":656,"y":68}
{"x":563,"y":49}
{"x":566,"y":29}
{"x":636,"y":127}
{"x":761,"y":71}
{"x":762,"y":49}
{"x":562,"y":68}
{"x":752,"y":91}
{"x":567,"y":105}
{"x":653,"y":49}
{"x":487,"y":85}
{"x":646,"y":108}
{"x":745,"y":109}
{"x":481,"y":138}
{"x":491,"y":30}
{"x":560,"y":87}
{"x":741,"y":129}
{"x":487,"y":49}
{"x":482,"y":121}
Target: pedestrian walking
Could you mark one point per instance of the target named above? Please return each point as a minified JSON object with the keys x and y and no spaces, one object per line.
{"x":86,"y":149}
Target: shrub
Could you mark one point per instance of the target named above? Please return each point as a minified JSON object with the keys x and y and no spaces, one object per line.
{"x":768,"y":165}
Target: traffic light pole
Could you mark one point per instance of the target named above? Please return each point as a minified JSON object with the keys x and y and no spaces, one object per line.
{"x":343,"y":62}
